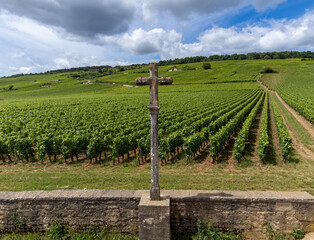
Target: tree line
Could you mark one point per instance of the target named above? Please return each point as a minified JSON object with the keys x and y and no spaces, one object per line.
{"x":248,"y":56}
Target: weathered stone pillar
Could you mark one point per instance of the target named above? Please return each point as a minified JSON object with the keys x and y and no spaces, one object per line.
{"x":154,"y":189}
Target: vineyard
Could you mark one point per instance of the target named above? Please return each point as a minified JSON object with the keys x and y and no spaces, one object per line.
{"x":296,"y":89}
{"x":111,"y":130}
{"x":206,"y":116}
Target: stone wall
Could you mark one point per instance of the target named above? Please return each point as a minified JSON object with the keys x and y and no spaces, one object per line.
{"x":247,"y":211}
{"x":118,"y":209}
{"x":77,"y":208}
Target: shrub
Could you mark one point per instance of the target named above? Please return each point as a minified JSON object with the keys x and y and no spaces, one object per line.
{"x":206,"y":65}
{"x":17,"y":219}
{"x":298,"y":233}
{"x":271,"y":234}
{"x":187,"y":67}
{"x":269,"y":70}
{"x":209,"y":232}
{"x":57,"y":231}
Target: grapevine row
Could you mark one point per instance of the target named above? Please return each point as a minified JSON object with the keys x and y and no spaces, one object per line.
{"x":242,"y":137}
{"x":194,"y":142}
{"x":285,"y":140}
{"x":199,"y":121}
{"x":50,"y":132}
{"x":263,"y":141}
{"x":218,"y":141}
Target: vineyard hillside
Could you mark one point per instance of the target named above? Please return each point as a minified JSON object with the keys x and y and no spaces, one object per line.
{"x":225,"y":126}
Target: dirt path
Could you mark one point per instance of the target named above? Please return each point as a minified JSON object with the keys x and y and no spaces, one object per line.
{"x":299,"y":147}
{"x":88,"y":82}
{"x":227,"y":153}
{"x":262,"y":85}
{"x":118,"y":84}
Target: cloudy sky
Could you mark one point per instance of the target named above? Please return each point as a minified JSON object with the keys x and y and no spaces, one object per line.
{"x":41,"y":35}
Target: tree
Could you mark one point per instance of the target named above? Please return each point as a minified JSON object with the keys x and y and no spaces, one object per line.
{"x":268,"y":70}
{"x":267,"y":57}
{"x":234,"y":57}
{"x":206,"y":65}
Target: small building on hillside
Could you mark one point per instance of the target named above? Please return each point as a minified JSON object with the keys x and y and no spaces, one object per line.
{"x":174,"y":69}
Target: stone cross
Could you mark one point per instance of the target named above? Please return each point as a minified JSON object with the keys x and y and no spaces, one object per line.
{"x":153,"y":108}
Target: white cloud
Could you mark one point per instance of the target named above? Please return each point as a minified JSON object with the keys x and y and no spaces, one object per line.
{"x":296,"y":34}
{"x":141,"y":42}
{"x":70,"y":59}
{"x":272,"y":35}
{"x":25,"y":69}
{"x":18,"y":54}
{"x":27,"y":46}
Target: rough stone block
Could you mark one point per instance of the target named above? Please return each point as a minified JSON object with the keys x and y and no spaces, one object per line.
{"x":154,"y":219}
{"x":283,"y":206}
{"x":254,"y":235}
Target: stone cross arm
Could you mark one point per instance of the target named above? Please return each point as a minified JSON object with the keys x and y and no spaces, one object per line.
{"x":148,"y":81}
{"x":153,"y":81}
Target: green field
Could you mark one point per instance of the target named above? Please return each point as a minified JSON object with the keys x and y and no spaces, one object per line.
{"x":48,"y":120}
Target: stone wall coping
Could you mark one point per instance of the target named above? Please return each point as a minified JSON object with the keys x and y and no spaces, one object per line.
{"x":70,"y":194}
{"x":176,"y":195}
{"x":269,"y":196}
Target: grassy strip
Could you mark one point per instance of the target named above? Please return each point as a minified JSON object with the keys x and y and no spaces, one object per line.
{"x":288,"y":177}
{"x":295,"y":126}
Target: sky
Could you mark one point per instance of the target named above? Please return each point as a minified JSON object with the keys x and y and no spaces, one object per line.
{"x":41,"y":35}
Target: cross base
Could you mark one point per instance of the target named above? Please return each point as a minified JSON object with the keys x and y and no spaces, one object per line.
{"x":155,"y":193}
{"x":154,"y":218}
